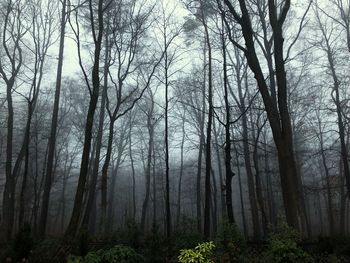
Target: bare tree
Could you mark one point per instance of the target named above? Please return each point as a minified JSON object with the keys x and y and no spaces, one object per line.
{"x":13,"y":31}
{"x":277,"y":111}
{"x":97,"y":29}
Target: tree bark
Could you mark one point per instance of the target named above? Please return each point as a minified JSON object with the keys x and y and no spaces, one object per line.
{"x":52,"y":138}
{"x":179,"y":187}
{"x":84,"y":166}
{"x":228,"y":169}
{"x":208,"y":165}
{"x":150,"y":127}
{"x":167,"y":183}
{"x":278,"y":114}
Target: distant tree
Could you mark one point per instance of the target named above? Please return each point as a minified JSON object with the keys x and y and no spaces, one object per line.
{"x":13,"y":31}
{"x":41,"y":33}
{"x":327,"y":45}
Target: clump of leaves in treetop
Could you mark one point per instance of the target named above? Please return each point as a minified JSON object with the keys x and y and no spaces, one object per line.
{"x":116,"y":254}
{"x":283,"y":246}
{"x":202,"y":253}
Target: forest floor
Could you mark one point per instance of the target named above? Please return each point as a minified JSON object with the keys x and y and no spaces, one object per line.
{"x":283,"y":245}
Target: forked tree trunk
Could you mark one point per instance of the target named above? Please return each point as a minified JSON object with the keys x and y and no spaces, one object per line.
{"x":84,"y":166}
{"x":277,"y":112}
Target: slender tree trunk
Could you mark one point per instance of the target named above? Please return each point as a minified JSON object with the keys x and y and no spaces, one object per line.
{"x":92,"y":188}
{"x":111,"y":205}
{"x":214,"y":208}
{"x":228,"y":168}
{"x":324,"y":163}
{"x":26,"y":164}
{"x":247,"y":161}
{"x":52,"y":138}
{"x":133,"y":176}
{"x":84,"y":166}
{"x":269,"y":188}
{"x":244,"y":222}
{"x":104,"y":177}
{"x":342,"y":223}
{"x":148,"y":170}
{"x":208,"y":165}
{"x":167,"y":183}
{"x":154,"y":188}
{"x":63,"y":200}
{"x":199,"y":172}
{"x":258,"y":183}
{"x":178,"y":213}
{"x":9,"y":191}
{"x":221,"y":180}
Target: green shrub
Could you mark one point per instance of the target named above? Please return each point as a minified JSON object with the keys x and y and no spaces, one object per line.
{"x":21,"y":247}
{"x":341,"y":245}
{"x":129,"y":235}
{"x":155,"y":246}
{"x":230,"y":241}
{"x":45,"y":250}
{"x":202,"y":253}
{"x":283,"y":246}
{"x":117,"y":254}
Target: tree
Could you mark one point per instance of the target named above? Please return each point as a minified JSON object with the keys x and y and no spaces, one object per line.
{"x":52,"y":138}
{"x":228,"y":168}
{"x":13,"y":31}
{"x":41,"y":33}
{"x":152,"y":120}
{"x":277,"y":111}
{"x":97,"y":34}
{"x":169,"y":31}
{"x":326,"y":46}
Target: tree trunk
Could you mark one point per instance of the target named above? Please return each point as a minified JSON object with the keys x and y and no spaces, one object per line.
{"x":247,"y":161}
{"x":104,"y":177}
{"x":228,"y":169}
{"x":133,"y":175}
{"x":329,"y":194}
{"x":178,"y":213}
{"x":277,"y":113}
{"x":120,"y":147}
{"x":52,"y":138}
{"x":150,"y":127}
{"x":199,"y":171}
{"x":84,"y":166}
{"x":26,"y":164}
{"x":92,"y":188}
{"x":214,"y":204}
{"x":221,"y":180}
{"x":258,"y":183}
{"x":244,"y":221}
{"x":167,"y":183}
{"x":9,"y":191}
{"x":208,"y":165}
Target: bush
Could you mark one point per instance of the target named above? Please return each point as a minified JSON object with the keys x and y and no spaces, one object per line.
{"x":341,"y":245}
{"x":202,"y":253}
{"x":21,"y":247}
{"x":155,"y":246}
{"x":283,"y":246}
{"x":129,"y":236}
{"x":117,"y":254}
{"x":44,"y":251}
{"x":230,"y":242}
